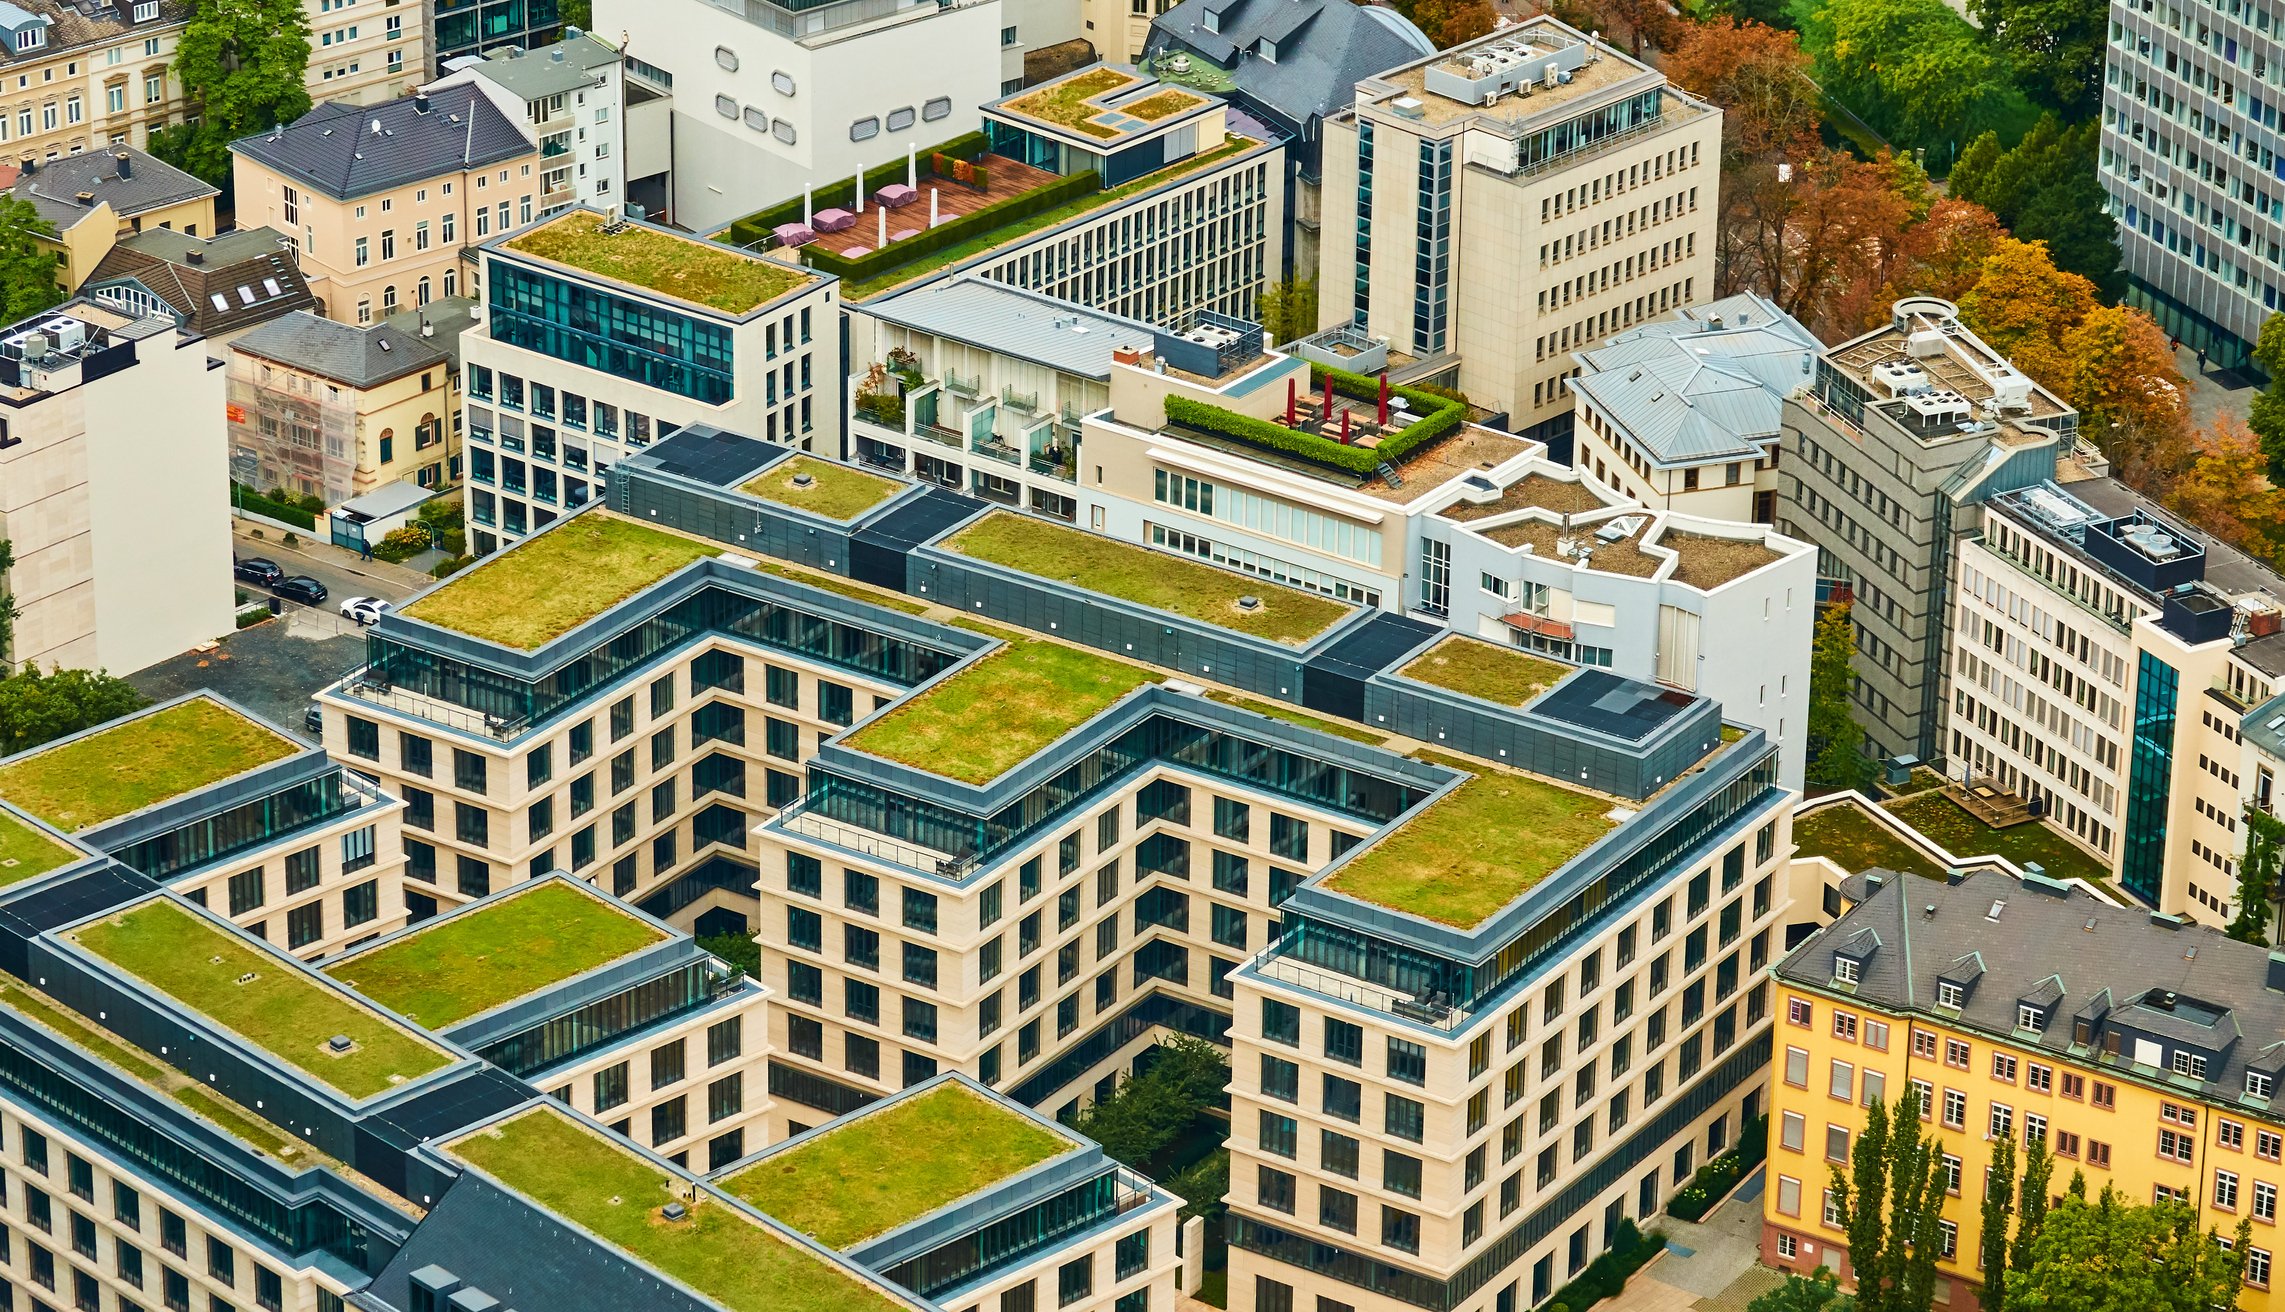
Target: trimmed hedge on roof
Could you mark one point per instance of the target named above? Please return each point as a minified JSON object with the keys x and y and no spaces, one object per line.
{"x":761,"y":223}
{"x":952,"y":232}
{"x":1437,"y":417}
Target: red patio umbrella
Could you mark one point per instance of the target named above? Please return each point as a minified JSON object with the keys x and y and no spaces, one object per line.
{"x":1383,"y":420}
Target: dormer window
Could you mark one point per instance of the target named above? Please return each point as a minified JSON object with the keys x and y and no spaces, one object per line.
{"x":1267,"y":49}
{"x":1846,"y":971}
{"x":2259,"y":1084}
{"x":2028,"y":1017}
{"x":31,"y":38}
{"x":1950,"y":995}
{"x":2189,"y":1063}
{"x":1213,"y":21}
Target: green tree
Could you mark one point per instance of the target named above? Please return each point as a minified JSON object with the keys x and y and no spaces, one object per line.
{"x":27,"y":268}
{"x":38,"y":707}
{"x":577,"y":13}
{"x":2031,"y":1207}
{"x":2268,"y":416}
{"x":2112,"y":1255}
{"x":1915,"y":70}
{"x":1147,"y":1113}
{"x":1998,"y":1206}
{"x":1819,"y":1291}
{"x":2054,"y":46}
{"x":1289,"y":309}
{"x":1891,"y":1203}
{"x":2257,"y":876}
{"x":2046,"y":189}
{"x":9,"y":611}
{"x":1202,"y":1185}
{"x":739,"y":950}
{"x":242,"y":62}
{"x":1836,"y":759}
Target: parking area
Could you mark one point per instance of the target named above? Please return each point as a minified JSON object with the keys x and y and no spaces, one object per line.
{"x":271,"y":669}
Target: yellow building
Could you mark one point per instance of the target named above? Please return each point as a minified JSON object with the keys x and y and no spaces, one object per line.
{"x":96,"y":201}
{"x":2143,"y":1049}
{"x":322,"y":407}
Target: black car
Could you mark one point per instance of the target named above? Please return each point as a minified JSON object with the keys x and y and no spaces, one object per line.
{"x":258,"y":570}
{"x":313,"y":719}
{"x":301,"y":588}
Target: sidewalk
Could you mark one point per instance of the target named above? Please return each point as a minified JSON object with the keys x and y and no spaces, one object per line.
{"x":1708,"y":1266}
{"x":271,"y":544}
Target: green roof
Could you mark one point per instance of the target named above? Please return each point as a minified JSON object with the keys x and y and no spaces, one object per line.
{"x":835,"y":491}
{"x":862,"y":1179}
{"x":1486,"y":670}
{"x":260,"y":996}
{"x":469,"y":962}
{"x":1475,"y":849}
{"x":997,"y":713}
{"x":547,"y":585}
{"x":584,"y":1177}
{"x":702,"y":272}
{"x":139,"y":762}
{"x":1149,"y":578}
{"x":26,"y":852}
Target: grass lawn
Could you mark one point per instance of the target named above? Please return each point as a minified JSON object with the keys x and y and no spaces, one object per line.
{"x":717,"y":1250}
{"x":1148,"y":578}
{"x":25,"y":852}
{"x":289,"y":1015}
{"x":467,"y":964}
{"x":865,"y":1179}
{"x":1476,"y":849}
{"x":1951,"y":827}
{"x":696,"y":271}
{"x":1355,"y":733}
{"x":139,"y":762}
{"x":994,"y":715}
{"x":836,"y":492}
{"x":548,"y":585}
{"x":1856,"y":842}
{"x":1163,"y":104}
{"x":1486,"y":670}
{"x":1065,"y":104}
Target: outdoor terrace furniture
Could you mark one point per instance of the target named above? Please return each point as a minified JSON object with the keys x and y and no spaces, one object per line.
{"x":854,"y":251}
{"x":902,"y":233}
{"x":833,"y":220}
{"x":794,"y":234}
{"x":896,"y":195}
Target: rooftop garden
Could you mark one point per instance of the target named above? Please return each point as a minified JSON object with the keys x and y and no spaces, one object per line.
{"x":550,"y":584}
{"x":1475,"y":849}
{"x":1844,"y":834}
{"x":26,"y":853}
{"x":1165,"y":104}
{"x":467,"y":963}
{"x":1149,"y":578}
{"x":137,"y":762}
{"x":1435,"y":417}
{"x":834,"y":491}
{"x":1949,"y":825}
{"x":1709,"y":562}
{"x":758,"y":225}
{"x":1064,"y":104}
{"x":992,"y":716}
{"x":1355,"y":733}
{"x":263,"y":998}
{"x":862,"y":1179}
{"x":1486,"y":670}
{"x":700,"y":272}
{"x":722,"y":1253}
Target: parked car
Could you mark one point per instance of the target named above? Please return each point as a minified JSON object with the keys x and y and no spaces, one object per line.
{"x":258,"y":570}
{"x":312,"y":719}
{"x":301,"y":588}
{"x":364,"y":610}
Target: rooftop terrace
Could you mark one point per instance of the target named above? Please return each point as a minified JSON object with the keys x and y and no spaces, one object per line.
{"x":467,"y":963}
{"x":862,"y":1178}
{"x":1148,"y":578}
{"x":834,"y":491}
{"x":553,"y":582}
{"x":261,"y":997}
{"x":1534,"y":491}
{"x":1486,"y":670}
{"x":134,"y":763}
{"x":579,"y":1174}
{"x":701,"y":272}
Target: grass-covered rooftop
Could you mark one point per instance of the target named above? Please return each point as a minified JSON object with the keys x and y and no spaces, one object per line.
{"x":864,"y":1179}
{"x":701,"y":272}
{"x":26,"y":853}
{"x":138,"y":762}
{"x":1476,"y":849}
{"x":1149,"y":578}
{"x":995,"y":714}
{"x":834,"y":491}
{"x":550,"y":584}
{"x":469,"y":962}
{"x":261,"y":997}
{"x":1486,"y":670}
{"x":727,"y":1256}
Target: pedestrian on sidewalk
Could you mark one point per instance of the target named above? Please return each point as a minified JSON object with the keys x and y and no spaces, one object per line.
{"x":364,"y":549}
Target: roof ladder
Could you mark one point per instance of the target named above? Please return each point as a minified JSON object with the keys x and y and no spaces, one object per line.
{"x":1388,"y":472}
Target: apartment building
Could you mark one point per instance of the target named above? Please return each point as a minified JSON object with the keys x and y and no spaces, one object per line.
{"x":487,"y":29}
{"x":216,"y":287}
{"x":95,"y":201}
{"x":365,"y":52}
{"x":325,"y":409}
{"x":1903,"y":433}
{"x":84,"y":495}
{"x":2189,"y":152}
{"x":75,"y":79}
{"x":379,"y":200}
{"x":1492,"y":209}
{"x":573,"y":96}
{"x":601,"y":335}
{"x":2029,"y":1011}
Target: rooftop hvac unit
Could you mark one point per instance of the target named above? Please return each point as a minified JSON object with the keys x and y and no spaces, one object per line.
{"x":1924,"y":343}
{"x":68,"y":334}
{"x":1897,"y":378}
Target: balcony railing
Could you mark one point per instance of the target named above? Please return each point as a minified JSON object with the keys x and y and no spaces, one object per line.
{"x":370,"y":684}
{"x":1025,"y":401}
{"x":993,"y":448}
{"x":800,"y":819}
{"x":969,"y":385}
{"x":951,"y":437}
{"x":1430,"y":1012}
{"x":1052,"y":468}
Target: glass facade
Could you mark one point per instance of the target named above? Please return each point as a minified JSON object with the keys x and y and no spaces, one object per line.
{"x":612,"y":334}
{"x":1364,"y":223}
{"x":468,"y":27}
{"x":1588,"y":129}
{"x":606,"y":1020}
{"x":2150,"y":779}
{"x":241,"y":828}
{"x":1432,"y":251}
{"x":1010,"y":1239}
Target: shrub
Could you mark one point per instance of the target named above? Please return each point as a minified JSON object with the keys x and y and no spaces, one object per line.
{"x":284,"y":507}
{"x":450,"y":566}
{"x":1717,"y":1178}
{"x":983,"y":177}
{"x":897,"y":254}
{"x":293,"y":540}
{"x":313,"y":503}
{"x":755,"y":226}
{"x":1437,"y":416}
{"x":1607,"y":1275}
{"x":402,"y":544}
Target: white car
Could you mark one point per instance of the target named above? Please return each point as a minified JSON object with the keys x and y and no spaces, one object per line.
{"x":364,"y":610}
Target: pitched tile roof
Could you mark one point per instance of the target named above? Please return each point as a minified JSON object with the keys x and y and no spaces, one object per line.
{"x":347,"y":150}
{"x":83,"y":23}
{"x":351,"y":356}
{"x":240,"y":267}
{"x":136,"y":186}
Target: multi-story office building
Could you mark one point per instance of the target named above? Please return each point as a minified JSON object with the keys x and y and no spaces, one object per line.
{"x":381,"y":200}
{"x":75,"y":80}
{"x":1491,"y":209}
{"x":2190,"y":144}
{"x":1904,"y":430}
{"x":489,"y":29}
{"x":115,"y":567}
{"x":600,"y":336}
{"x":325,"y":409}
{"x":2025,"y":1010}
{"x":573,"y":96}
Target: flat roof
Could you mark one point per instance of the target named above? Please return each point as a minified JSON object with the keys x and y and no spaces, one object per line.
{"x":862,"y":1178}
{"x":1924,"y":337}
{"x":1487,"y":670}
{"x":999,"y":711}
{"x":466,"y":963}
{"x":1010,"y":321}
{"x":704,"y":273}
{"x":140,"y":761}
{"x":1099,"y":103}
{"x":27,"y":853}
{"x":262,"y":997}
{"x":553,"y":582}
{"x":835,"y":491}
{"x":1607,"y":69}
{"x":1532,"y":491}
{"x":579,"y":1173}
{"x":1156,"y":579}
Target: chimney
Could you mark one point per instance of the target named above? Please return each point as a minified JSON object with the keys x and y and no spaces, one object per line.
{"x":427,"y":329}
{"x":126,"y":165}
{"x":420,"y":102}
{"x":195,"y":257}
{"x":86,"y":198}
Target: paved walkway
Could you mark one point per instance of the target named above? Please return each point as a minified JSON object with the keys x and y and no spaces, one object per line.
{"x":1708,"y":1266}
{"x":389,"y":581}
{"x":2213,"y":393}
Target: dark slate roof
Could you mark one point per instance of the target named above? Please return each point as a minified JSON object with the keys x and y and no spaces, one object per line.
{"x":1324,"y":48}
{"x":349,"y":355}
{"x":2130,"y":974}
{"x":235,"y":266}
{"x":54,"y":187}
{"x":445,"y":319}
{"x":347,"y":150}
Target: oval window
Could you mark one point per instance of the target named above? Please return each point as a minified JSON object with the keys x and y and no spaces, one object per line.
{"x":864,"y":129}
{"x":726,"y":107}
{"x":781,"y":83}
{"x":726,"y":58}
{"x":941,"y":107}
{"x":757,"y":120}
{"x":900,"y":119}
{"x":783,"y":131}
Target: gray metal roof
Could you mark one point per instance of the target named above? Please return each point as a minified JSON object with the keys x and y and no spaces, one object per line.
{"x":147,"y":184}
{"x":349,"y":150}
{"x":1012,"y":322}
{"x":568,"y":65}
{"x":1703,"y":385}
{"x":386,"y":500}
{"x":352,"y":356}
{"x":1324,"y":48}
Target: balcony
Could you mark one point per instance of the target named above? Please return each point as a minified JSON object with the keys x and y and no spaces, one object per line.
{"x":1028,"y":402}
{"x":968,"y":385}
{"x":1054,"y":466}
{"x":1434,"y":1012}
{"x":991,"y":447}
{"x":951,"y":437}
